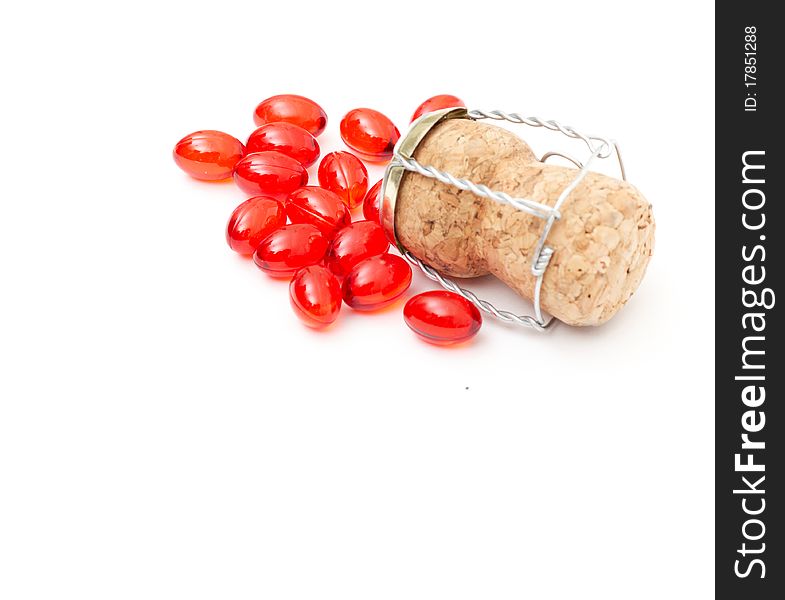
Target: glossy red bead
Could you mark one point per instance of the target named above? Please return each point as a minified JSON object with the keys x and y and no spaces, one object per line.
{"x":290,"y":108}
{"x":369,"y":133}
{"x":353,"y":243}
{"x":373,"y":202}
{"x":442,"y":318}
{"x":344,"y":174}
{"x":318,"y":207}
{"x":376,"y":282}
{"x":208,"y":155}
{"x":437,"y":103}
{"x":269,"y":174}
{"x":252,"y":221}
{"x":287,"y":139}
{"x":290,"y":248}
{"x":315,"y":296}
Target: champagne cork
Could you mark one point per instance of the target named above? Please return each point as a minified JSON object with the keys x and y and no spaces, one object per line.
{"x":602,"y":243}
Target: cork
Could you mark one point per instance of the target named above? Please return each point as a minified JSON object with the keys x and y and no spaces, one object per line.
{"x":602,"y":243}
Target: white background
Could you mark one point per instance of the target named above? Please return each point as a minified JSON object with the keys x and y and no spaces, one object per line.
{"x":169,"y":430}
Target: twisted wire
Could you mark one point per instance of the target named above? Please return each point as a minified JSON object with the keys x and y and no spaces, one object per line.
{"x":483,"y":305}
{"x":603,"y":151}
{"x":535,"y":209}
{"x":541,"y":261}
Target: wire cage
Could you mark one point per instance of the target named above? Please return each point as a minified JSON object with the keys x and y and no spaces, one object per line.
{"x":403,"y":161}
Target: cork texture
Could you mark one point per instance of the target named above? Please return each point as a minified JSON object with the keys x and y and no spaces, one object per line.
{"x":602,"y":244}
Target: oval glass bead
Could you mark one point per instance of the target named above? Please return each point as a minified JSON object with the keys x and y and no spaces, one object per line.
{"x":376,"y":282}
{"x":370,"y":134}
{"x":269,"y":174}
{"x":437,"y":103}
{"x":252,"y":221}
{"x":288,"y":139}
{"x":208,"y":155}
{"x":290,"y":248}
{"x":318,"y":207}
{"x":291,"y":108}
{"x":344,"y":174}
{"x":372,"y":202}
{"x":353,"y":243}
{"x":442,"y":318}
{"x":315,"y":296}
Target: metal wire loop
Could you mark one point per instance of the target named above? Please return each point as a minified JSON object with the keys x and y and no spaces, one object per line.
{"x":599,"y":147}
{"x":567,"y":157}
{"x":605,"y":145}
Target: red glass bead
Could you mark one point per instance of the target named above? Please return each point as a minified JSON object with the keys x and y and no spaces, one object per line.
{"x":290,"y":248}
{"x":442,"y":318}
{"x":315,"y":295}
{"x":252,"y":221}
{"x":437,"y":103}
{"x":208,"y":155}
{"x":319,"y":207}
{"x":290,"y":108}
{"x":372,"y":202}
{"x":369,"y":133}
{"x":353,"y":243}
{"x":287,"y":139}
{"x":344,"y":174}
{"x":376,"y":282}
{"x":269,"y":174}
